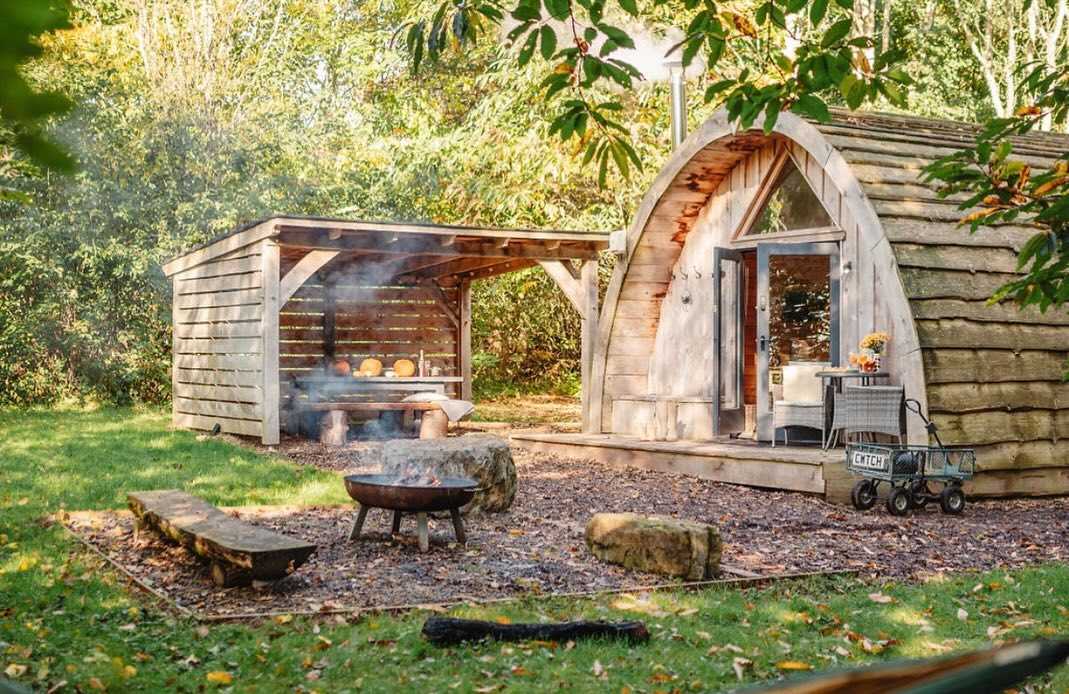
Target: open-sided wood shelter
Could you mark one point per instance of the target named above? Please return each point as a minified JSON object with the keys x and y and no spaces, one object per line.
{"x":752,"y":251}
{"x":279,"y":298}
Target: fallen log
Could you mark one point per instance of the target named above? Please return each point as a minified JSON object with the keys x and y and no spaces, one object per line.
{"x":239,"y":552}
{"x":445,"y":631}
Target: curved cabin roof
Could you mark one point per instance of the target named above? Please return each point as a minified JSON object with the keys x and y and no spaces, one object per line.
{"x":991,"y":374}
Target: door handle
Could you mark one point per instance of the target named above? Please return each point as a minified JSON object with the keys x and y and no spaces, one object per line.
{"x":762,"y":343}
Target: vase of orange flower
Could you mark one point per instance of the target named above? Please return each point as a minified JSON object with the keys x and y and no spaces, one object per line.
{"x":876,"y":344}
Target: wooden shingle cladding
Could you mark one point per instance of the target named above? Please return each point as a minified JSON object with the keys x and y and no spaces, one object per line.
{"x":993,"y":373}
{"x":277,"y":298}
{"x":989,"y":375}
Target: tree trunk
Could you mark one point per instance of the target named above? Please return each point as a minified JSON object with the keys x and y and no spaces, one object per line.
{"x":444,"y":631}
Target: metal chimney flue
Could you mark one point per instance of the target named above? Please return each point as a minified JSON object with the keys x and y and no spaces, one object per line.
{"x":678,"y":83}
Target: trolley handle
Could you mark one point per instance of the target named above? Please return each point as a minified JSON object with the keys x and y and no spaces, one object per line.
{"x":929,"y":426}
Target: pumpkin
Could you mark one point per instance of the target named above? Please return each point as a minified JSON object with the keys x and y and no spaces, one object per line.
{"x":371,"y":367}
{"x":404,"y":368}
{"x":339,"y":367}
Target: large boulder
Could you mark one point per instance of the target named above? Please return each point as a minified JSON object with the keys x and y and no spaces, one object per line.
{"x":655,"y":544}
{"x":484,"y":458}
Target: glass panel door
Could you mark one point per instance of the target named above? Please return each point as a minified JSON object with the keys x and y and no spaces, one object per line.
{"x":728,"y":406}
{"x":797,"y":315}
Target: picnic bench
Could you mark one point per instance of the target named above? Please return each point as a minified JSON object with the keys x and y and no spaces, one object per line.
{"x":239,"y":552}
{"x":334,"y":425}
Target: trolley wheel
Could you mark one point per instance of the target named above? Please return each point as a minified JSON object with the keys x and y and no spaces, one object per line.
{"x":921,"y":494}
{"x":899,"y":501}
{"x":952,"y":500}
{"x":863,"y":495}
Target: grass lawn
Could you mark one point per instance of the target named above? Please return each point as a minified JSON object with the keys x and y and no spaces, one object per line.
{"x":65,"y":617}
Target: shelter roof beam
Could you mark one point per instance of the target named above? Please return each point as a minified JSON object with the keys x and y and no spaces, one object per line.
{"x":423,"y":245}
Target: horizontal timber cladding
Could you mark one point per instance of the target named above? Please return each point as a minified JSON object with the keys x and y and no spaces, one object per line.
{"x":941,"y":283}
{"x":983,"y":312}
{"x":242,"y":427}
{"x":951,"y":257}
{"x":1020,"y":482}
{"x":917,"y":231}
{"x":958,"y":333}
{"x":983,"y":428}
{"x":386,"y":323}
{"x":218,"y":344}
{"x":1007,"y":396}
{"x":992,"y":365}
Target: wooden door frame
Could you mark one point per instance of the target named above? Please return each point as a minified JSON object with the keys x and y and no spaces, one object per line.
{"x":765,"y":251}
{"x":719,"y":255}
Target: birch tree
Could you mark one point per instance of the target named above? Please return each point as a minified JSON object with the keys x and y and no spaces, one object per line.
{"x":1006,"y":35}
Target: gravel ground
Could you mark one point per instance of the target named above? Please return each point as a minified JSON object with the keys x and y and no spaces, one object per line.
{"x":537,"y":546}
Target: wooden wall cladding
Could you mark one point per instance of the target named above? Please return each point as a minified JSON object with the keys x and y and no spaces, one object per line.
{"x":218,"y":345}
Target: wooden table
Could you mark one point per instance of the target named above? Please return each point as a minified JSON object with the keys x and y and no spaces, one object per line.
{"x":343,"y":385}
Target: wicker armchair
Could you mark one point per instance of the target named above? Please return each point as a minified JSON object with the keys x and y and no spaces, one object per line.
{"x":868,"y":409}
{"x":802,"y":404}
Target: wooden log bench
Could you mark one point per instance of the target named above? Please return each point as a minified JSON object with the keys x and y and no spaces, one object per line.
{"x":334,"y":425}
{"x":239,"y":552}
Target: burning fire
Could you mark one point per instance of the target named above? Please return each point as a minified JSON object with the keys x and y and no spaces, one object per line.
{"x":413,"y":476}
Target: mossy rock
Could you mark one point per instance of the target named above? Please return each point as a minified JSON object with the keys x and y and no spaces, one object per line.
{"x":656,"y":544}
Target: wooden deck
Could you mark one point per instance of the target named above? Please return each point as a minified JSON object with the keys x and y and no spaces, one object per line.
{"x":795,"y":468}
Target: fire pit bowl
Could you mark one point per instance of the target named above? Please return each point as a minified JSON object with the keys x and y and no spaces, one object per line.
{"x":382,"y":491}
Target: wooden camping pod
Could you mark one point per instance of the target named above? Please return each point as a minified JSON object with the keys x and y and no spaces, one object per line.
{"x":989,"y":375}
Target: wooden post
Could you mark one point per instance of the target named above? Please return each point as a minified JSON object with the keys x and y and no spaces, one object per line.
{"x":434,"y":425}
{"x":328,"y":322}
{"x":589,"y":328}
{"x":464,"y":352}
{"x":174,"y":350}
{"x":334,"y":428}
{"x":269,"y":357}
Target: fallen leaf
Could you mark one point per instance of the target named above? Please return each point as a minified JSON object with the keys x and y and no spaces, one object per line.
{"x":15,"y":671}
{"x":739,"y":665}
{"x":283,"y":618}
{"x":793,"y":665}
{"x":95,"y":683}
{"x":219,"y":677}
{"x":962,"y":614}
{"x":521,"y":672}
{"x":503,"y":620}
{"x":880,"y":598}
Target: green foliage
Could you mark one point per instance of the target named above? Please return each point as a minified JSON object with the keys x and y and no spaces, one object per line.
{"x":1007,"y":191}
{"x":754,"y":72}
{"x":524,"y":329}
{"x":23,"y":109}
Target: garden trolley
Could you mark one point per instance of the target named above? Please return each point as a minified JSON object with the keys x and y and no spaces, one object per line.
{"x":910,"y":471}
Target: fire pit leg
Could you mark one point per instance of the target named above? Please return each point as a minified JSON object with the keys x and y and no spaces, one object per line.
{"x":396,"y":527}
{"x":358,"y":524}
{"x":424,"y":535}
{"x":458,"y":526}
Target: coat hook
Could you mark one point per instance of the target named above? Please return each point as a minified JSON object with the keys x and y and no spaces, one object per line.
{"x":684,"y":275}
{"x":697,"y":274}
